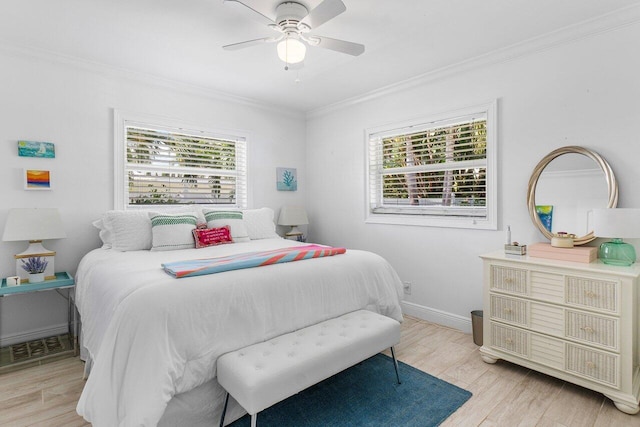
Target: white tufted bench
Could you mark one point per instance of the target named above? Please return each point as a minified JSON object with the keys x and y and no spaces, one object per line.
{"x":263,"y":374}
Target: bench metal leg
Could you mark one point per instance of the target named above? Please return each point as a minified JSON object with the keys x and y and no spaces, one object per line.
{"x":395,"y":365}
{"x":254,"y":417}
{"x":224,"y":409}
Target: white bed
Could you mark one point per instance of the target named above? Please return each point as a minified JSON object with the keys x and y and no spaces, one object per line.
{"x":153,"y":340}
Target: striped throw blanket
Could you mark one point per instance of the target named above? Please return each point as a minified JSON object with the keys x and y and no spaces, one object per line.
{"x":199,"y":267}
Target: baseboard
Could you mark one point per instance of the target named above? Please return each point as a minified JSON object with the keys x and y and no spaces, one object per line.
{"x":34,"y":335}
{"x":437,"y":316}
{"x":433,"y":315}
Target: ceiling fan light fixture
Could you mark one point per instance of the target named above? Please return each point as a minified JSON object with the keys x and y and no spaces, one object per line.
{"x":291,"y":50}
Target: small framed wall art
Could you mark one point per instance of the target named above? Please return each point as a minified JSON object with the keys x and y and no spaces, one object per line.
{"x":36,"y":149}
{"x":286,"y":179}
{"x":37,"y":179}
{"x":545,"y":213}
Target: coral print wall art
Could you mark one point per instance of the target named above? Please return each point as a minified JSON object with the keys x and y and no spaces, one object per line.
{"x":287,"y":179}
{"x":36,"y":149}
{"x":37,"y":179}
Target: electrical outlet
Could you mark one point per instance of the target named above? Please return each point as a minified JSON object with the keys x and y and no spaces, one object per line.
{"x":407,"y":288}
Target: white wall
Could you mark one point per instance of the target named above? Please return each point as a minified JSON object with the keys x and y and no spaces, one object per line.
{"x":71,"y":105}
{"x":585,"y":92}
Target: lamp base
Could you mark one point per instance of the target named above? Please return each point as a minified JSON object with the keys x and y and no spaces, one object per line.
{"x":35,"y":249}
{"x":295,"y":231}
{"x":617,"y":252}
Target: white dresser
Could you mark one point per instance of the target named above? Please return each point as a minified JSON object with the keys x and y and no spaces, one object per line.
{"x":577,"y":322}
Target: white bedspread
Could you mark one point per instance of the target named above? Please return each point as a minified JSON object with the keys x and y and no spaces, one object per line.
{"x":152,"y":337}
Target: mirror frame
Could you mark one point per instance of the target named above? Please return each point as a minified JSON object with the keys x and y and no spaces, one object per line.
{"x":612,"y":186}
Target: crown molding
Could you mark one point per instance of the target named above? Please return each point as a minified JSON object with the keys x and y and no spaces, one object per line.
{"x":139,"y":77}
{"x":611,"y":21}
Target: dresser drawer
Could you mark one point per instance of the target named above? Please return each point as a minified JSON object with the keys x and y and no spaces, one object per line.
{"x":592,"y":329}
{"x":507,"y":279}
{"x":592,"y":364}
{"x":512,"y":340}
{"x":510,"y":310}
{"x":593,"y":293}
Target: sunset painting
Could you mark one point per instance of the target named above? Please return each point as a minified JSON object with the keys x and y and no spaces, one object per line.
{"x":37,"y":180}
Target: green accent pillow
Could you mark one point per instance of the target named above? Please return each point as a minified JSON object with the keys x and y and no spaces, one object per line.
{"x":172,"y":231}
{"x":233,"y":219}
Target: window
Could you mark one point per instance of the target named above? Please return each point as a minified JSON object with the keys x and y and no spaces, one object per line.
{"x":438,"y":171}
{"x":160,"y":164}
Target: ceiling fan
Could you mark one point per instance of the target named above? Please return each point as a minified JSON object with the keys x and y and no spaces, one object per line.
{"x":294,"y":22}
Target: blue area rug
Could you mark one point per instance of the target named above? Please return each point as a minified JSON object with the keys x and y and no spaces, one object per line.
{"x":367,"y":395}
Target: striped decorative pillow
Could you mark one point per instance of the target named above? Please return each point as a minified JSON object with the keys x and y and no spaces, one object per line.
{"x":216,"y":219}
{"x":172,"y":231}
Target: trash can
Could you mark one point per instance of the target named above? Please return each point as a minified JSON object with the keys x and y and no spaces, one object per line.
{"x":476,"y":326}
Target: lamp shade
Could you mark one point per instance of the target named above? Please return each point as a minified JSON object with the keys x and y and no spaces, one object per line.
{"x":621,"y":222}
{"x":293,"y":215}
{"x":33,"y":224}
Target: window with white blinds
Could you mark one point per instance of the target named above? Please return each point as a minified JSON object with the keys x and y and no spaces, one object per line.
{"x":434,"y":171}
{"x":174,"y":166}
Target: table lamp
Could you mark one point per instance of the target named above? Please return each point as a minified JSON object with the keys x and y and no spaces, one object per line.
{"x":34,"y":225}
{"x":293,"y":216}
{"x":616,"y":224}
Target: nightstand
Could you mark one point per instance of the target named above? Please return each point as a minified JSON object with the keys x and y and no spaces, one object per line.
{"x":56,"y":346}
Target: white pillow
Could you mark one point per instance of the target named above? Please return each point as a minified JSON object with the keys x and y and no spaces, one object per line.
{"x":172,"y":231}
{"x":233,"y":219}
{"x":259,"y":223}
{"x":125,"y":230}
{"x":104,"y":233}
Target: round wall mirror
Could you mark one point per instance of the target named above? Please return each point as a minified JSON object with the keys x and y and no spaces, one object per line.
{"x":564,"y":188}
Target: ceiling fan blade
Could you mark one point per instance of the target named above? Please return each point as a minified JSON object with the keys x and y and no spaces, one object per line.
{"x":343,"y":46}
{"x":325,"y":11}
{"x":249,"y":43}
{"x":263,"y":14}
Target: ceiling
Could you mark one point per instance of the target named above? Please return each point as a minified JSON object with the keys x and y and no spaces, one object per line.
{"x":181,"y":40}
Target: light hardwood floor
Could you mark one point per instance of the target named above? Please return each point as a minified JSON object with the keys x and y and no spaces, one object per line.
{"x":503,"y":394}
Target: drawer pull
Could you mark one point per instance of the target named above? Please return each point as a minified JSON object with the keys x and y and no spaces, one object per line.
{"x":590,"y":365}
{"x":590,"y":294}
{"x":508,"y":341}
{"x":587,"y":329}
{"x":508,"y":280}
{"x":508,"y":310}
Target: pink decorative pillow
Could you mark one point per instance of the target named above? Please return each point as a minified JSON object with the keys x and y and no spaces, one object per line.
{"x":212,"y":236}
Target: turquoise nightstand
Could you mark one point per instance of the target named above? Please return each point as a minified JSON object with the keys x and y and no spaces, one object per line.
{"x":36,"y":350}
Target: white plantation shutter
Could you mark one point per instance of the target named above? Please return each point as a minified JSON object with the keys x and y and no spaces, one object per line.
{"x":174,"y":166}
{"x":433,"y":169}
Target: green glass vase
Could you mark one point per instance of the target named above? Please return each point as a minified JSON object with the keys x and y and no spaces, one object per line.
{"x":617,"y":252}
